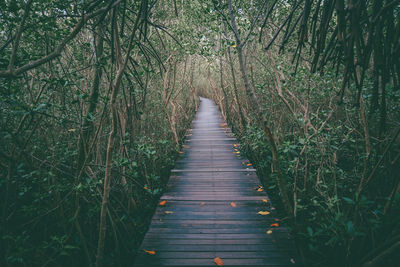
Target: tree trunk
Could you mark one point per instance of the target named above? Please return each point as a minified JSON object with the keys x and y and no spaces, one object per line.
{"x":93,"y":100}
{"x":254,"y":100}
{"x":114,"y":128}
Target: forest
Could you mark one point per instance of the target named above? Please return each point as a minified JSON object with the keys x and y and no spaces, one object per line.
{"x":96,"y":97}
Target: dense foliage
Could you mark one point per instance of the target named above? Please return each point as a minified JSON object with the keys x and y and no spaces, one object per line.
{"x":56,"y":119}
{"x":95,"y":98}
{"x":322,"y":119}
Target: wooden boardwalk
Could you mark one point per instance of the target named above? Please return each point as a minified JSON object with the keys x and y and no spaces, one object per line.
{"x":212,"y":205}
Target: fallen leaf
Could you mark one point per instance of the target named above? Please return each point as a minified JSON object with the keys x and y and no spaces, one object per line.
{"x":180,"y":152}
{"x":202,"y":203}
{"x":235,"y":145}
{"x":269,"y":232}
{"x":275,"y":225}
{"x":168,"y":212}
{"x":233,"y":204}
{"x":265,"y":200}
{"x":249,"y":164}
{"x":71,"y":130}
{"x":151,"y":252}
{"x":260,"y":189}
{"x":263,"y":212}
{"x":234,"y":45}
{"x":218,"y":261}
{"x":146,"y":188}
{"x":162,"y":203}
{"x":292,"y":261}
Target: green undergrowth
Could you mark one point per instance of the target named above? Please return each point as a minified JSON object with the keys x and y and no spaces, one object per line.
{"x":333,"y":223}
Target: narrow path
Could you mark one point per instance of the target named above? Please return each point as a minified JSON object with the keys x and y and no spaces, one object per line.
{"x":211,"y":207}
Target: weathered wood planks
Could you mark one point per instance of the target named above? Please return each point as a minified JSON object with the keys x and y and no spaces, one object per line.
{"x":199,"y":222}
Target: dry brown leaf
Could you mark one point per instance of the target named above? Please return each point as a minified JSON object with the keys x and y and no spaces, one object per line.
{"x":275,"y":225}
{"x":263,"y":212}
{"x":260,"y":189}
{"x":202,"y":203}
{"x":218,"y":261}
{"x":151,"y":252}
{"x":269,"y":232}
{"x":265,"y":200}
{"x":162,"y":203}
{"x":168,"y":212}
{"x":233,"y":204}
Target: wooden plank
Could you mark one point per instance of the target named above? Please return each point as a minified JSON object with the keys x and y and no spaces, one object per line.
{"x":148,"y":243}
{"x":213,"y":170}
{"x":270,"y":262}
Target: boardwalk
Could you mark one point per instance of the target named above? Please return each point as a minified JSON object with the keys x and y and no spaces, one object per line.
{"x":212,"y":206}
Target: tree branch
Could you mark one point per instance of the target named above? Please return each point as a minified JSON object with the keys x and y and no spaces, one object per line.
{"x":13,"y":73}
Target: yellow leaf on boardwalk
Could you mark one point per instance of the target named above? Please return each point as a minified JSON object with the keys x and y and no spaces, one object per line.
{"x":218,"y":261}
{"x":151,"y":252}
{"x":263,"y":212}
{"x":202,"y":203}
{"x":168,"y":212}
{"x":269,"y":232}
{"x":265,"y":200}
{"x":233,"y":204}
{"x":260,"y":189}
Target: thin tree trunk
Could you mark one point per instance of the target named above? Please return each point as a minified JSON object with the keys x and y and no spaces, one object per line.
{"x":254,"y":100}
{"x":93,"y":99}
{"x":235,"y":88}
{"x":114,"y":124}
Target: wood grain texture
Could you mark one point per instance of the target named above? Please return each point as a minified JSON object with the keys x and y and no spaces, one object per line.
{"x":198,"y":222}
